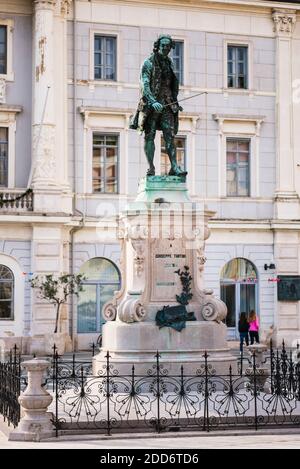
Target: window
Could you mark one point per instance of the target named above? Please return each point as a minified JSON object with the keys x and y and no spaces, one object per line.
{"x":3,"y":50}
{"x":177,"y":57}
{"x":105,"y":57}
{"x":105,"y":163}
{"x":102,"y":279}
{"x":3,"y":156}
{"x":237,"y":66}
{"x":6,"y":292}
{"x":165,"y":166}
{"x":238,"y":154}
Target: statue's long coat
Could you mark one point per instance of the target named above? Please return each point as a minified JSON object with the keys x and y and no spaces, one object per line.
{"x":150,"y":83}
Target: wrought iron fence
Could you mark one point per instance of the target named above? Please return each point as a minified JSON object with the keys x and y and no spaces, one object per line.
{"x":11,"y":384}
{"x":159,"y":401}
{"x":256,"y":396}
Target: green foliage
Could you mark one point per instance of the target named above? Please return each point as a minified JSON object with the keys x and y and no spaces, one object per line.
{"x":186,"y":280}
{"x":56,"y":290}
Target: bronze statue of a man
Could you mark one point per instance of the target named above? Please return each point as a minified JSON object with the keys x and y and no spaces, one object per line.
{"x":158,"y":108}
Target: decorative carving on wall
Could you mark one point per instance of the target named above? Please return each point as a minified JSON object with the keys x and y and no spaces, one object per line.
{"x":65,"y":6}
{"x":139,"y":258}
{"x":109,"y":311}
{"x":43,"y":151}
{"x":212,"y":308}
{"x":284,"y":21}
{"x":131,"y":309}
{"x":2,"y":91}
{"x":137,"y":232}
{"x":201,"y":258}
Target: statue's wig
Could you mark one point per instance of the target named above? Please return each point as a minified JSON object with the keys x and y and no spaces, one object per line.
{"x":157,"y":42}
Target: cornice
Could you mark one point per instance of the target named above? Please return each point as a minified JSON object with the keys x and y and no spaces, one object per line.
{"x":10,"y":108}
{"x":238,"y":117}
{"x":44,"y":4}
{"x":250,"y":5}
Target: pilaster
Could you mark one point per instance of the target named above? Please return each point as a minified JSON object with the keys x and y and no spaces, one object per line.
{"x":286,"y":197}
{"x":287,"y":261}
{"x":49,"y":127}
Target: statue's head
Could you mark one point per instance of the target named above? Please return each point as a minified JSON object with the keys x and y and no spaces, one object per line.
{"x":163,"y":44}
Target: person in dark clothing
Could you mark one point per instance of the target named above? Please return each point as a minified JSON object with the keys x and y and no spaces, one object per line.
{"x":243,"y":330}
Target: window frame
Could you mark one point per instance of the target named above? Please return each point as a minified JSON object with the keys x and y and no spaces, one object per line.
{"x":239,"y":139}
{"x":234,"y":42}
{"x":118,"y":59}
{"x":97,"y":283}
{"x":8,"y":119}
{"x":115,"y":53}
{"x":181,"y":81}
{"x":12,"y":300}
{"x":7,"y":155}
{"x":115,"y":121}
{"x":115,"y":134}
{"x":236,"y":75}
{"x":17,"y":325}
{"x":241,"y":127}
{"x":9,"y":75}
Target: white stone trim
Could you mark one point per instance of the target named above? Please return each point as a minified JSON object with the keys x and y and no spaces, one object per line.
{"x":109,"y":122}
{"x":8,"y":120}
{"x":15,"y":325}
{"x":239,"y":127}
{"x":9,"y":75}
{"x":119,"y":54}
{"x":185,"y":88}
{"x":238,"y":42}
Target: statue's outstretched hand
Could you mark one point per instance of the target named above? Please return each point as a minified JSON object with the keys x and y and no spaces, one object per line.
{"x":157,"y":106}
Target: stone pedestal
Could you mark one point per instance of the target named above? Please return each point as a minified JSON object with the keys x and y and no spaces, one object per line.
{"x":262,"y":369}
{"x":161,"y":232}
{"x":35,"y":400}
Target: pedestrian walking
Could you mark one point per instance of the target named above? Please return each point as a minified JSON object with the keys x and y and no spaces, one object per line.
{"x":243,"y":330}
{"x":253,"y":327}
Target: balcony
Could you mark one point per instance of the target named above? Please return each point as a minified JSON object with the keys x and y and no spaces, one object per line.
{"x":16,"y":200}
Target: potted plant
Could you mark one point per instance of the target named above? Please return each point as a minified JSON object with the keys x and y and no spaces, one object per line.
{"x":56,"y":290}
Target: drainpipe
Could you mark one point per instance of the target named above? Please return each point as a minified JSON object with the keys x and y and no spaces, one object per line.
{"x":74,"y":200}
{"x":72,"y":324}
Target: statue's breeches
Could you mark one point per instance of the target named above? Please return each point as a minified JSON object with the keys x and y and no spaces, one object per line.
{"x":165,"y":121}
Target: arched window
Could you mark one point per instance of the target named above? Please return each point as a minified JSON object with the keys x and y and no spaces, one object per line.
{"x":6,"y":293}
{"x":238,"y":290}
{"x":102,"y":280}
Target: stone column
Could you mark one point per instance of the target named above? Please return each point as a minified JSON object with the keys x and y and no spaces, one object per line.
{"x":44,"y":170}
{"x":287,"y":201}
{"x":49,"y":149}
{"x":61,"y":94}
{"x":35,"y":400}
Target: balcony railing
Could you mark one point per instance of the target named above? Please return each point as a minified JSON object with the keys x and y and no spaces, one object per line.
{"x":16,"y":200}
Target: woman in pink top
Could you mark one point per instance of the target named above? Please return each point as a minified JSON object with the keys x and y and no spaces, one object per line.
{"x":253,"y":327}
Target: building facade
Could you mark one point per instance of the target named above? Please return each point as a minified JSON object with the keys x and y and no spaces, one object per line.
{"x":69,"y":82}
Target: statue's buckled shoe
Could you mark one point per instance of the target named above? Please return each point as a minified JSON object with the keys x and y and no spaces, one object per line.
{"x":177,"y":172}
{"x":151,"y":172}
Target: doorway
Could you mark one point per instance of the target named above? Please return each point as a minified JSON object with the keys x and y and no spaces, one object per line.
{"x":239,"y":291}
